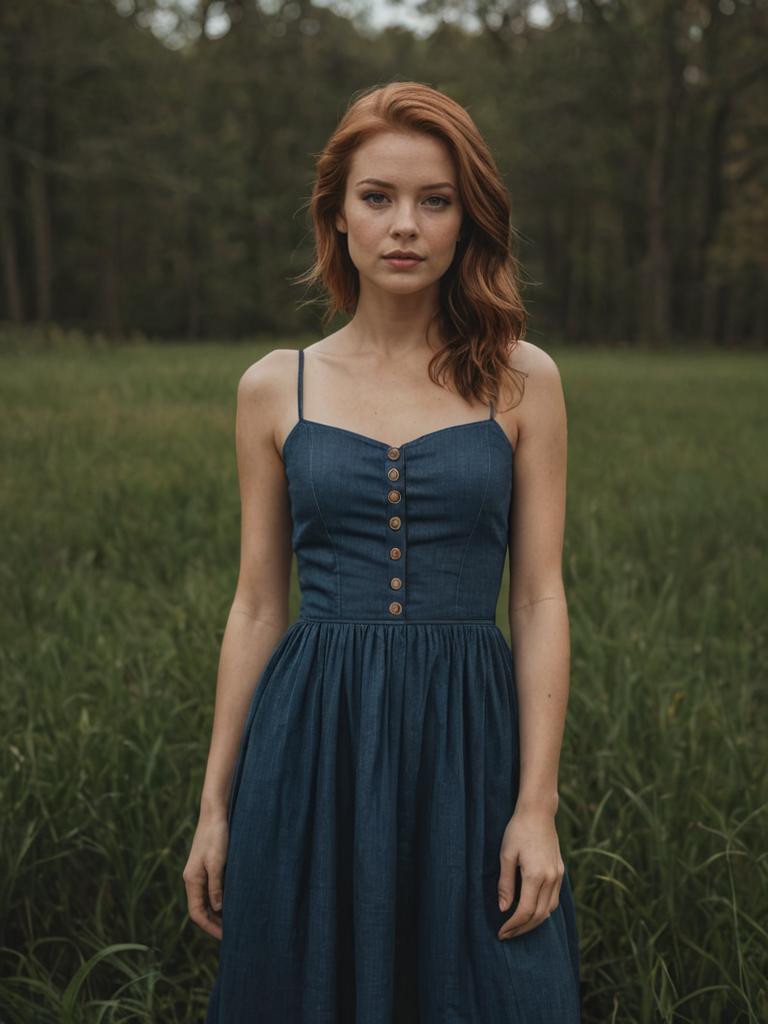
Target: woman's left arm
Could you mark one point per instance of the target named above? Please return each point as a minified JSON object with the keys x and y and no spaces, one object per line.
{"x":538,"y":617}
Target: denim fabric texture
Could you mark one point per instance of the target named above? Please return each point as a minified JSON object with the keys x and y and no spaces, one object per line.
{"x":379,"y":761}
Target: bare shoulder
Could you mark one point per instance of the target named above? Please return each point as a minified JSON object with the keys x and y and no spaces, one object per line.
{"x":266,"y":395}
{"x":541,"y":411}
{"x":539,"y":365}
{"x":267,"y":375}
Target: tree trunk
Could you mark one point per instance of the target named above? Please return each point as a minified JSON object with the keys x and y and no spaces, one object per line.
{"x":110,"y":270}
{"x":41,"y":233}
{"x":655,"y":322}
{"x":40,"y":214}
{"x":9,"y":252}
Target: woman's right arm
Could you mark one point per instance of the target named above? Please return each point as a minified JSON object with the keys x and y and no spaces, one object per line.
{"x":257,"y":619}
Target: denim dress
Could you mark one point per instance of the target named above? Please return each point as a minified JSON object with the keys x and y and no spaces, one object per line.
{"x":379,"y":761}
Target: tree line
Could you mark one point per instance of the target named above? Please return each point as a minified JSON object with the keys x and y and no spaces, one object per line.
{"x":156,"y":159}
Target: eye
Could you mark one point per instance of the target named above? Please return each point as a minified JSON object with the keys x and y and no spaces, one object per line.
{"x":442,"y":201}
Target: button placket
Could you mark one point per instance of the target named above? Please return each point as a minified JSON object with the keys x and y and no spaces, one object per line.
{"x":395,"y":499}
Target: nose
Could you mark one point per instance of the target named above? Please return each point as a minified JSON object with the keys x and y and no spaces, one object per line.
{"x":404,"y":220}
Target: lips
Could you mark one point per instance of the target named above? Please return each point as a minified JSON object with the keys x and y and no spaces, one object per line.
{"x":403,"y":256}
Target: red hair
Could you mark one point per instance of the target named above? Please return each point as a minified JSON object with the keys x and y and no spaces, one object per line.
{"x":480,"y":312}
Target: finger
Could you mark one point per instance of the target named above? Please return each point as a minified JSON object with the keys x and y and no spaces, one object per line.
{"x":540,"y":914}
{"x":212,"y":928}
{"x":554,"y":902}
{"x":199,"y":911}
{"x":526,"y":908}
{"x":507,"y":880}
{"x":215,"y":886}
{"x":210,"y":923}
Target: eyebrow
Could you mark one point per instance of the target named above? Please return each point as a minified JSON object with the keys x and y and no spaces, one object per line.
{"x":388,"y":184}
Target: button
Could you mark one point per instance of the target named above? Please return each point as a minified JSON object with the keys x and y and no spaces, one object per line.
{"x":393,"y":453}
{"x":396,"y":583}
{"x":393,"y":496}
{"x":393,"y":473}
{"x":395,"y":607}
{"x":395,"y":522}
{"x":394,"y":552}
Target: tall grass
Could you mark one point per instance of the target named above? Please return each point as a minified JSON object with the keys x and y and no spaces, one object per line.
{"x":119,"y":561}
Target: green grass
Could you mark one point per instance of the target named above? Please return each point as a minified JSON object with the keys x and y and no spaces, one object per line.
{"x":119,"y":561}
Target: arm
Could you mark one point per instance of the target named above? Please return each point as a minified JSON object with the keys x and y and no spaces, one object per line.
{"x":257,"y":619}
{"x":538,"y":618}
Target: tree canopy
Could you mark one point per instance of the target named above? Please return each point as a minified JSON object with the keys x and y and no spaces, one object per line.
{"x":156,"y":158}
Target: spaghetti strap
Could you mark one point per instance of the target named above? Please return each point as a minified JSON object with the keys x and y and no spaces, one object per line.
{"x":300,"y":388}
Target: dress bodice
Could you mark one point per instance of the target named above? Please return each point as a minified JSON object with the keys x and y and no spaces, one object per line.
{"x":412,"y":533}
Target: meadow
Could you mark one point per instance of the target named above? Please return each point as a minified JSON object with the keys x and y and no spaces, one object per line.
{"x":120,"y":546}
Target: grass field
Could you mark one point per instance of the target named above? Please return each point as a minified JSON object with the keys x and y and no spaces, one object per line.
{"x":120,"y":547}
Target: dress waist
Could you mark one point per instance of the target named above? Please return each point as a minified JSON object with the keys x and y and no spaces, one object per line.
{"x":401,"y":622}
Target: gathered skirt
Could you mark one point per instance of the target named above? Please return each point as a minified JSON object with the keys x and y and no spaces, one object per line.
{"x":378,"y":769}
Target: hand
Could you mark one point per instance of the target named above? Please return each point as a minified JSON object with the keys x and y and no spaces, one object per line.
{"x":530,"y":842}
{"x":204,"y":872}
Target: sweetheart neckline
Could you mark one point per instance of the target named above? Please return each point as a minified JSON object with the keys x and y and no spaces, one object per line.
{"x":407,"y":444}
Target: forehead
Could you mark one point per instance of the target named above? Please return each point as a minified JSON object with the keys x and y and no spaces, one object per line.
{"x":407,"y":160}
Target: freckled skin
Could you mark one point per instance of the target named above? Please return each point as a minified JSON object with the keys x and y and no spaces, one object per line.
{"x":377,"y":219}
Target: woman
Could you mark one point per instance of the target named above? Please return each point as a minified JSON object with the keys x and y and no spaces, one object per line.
{"x":382,"y":776}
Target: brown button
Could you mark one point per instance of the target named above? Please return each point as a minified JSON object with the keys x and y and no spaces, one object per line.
{"x":394,"y":552}
{"x":393,"y":453}
{"x":395,"y":583}
{"x":395,"y":607}
{"x":393,"y":496}
{"x":393,"y":473}
{"x":395,"y":522}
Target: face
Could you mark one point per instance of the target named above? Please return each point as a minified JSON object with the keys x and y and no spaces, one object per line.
{"x":401,"y":193}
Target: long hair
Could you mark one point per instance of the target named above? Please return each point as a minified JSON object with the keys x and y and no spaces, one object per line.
{"x":480,"y":312}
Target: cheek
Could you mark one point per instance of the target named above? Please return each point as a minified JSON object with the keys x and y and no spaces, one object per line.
{"x":445,"y":231}
{"x":365,"y":231}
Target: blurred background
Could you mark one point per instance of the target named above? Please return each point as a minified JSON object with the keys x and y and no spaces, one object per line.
{"x":156,"y":161}
{"x":157,"y":156}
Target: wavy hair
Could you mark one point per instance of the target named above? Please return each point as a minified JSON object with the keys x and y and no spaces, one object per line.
{"x":480,"y":312}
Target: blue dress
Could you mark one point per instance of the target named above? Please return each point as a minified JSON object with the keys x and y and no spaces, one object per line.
{"x":379,"y":760}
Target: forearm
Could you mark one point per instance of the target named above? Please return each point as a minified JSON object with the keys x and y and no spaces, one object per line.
{"x":248,"y":641}
{"x":541,"y":643}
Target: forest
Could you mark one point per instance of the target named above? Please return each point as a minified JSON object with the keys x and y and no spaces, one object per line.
{"x":156,"y":158}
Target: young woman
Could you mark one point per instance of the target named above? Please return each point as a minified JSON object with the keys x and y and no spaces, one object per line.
{"x":382,"y":776}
